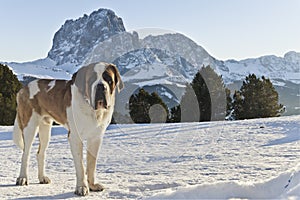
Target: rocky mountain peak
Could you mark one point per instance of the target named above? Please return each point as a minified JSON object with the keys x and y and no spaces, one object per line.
{"x":76,"y":38}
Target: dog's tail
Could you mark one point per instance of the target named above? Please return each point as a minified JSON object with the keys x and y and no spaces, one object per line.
{"x":18,"y":134}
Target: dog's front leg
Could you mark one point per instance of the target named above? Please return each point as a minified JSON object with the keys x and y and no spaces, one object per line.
{"x":93,"y":146}
{"x":76,"y":149}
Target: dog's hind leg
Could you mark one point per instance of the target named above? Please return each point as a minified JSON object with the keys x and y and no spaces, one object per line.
{"x":44,"y":137}
{"x":29,"y":133}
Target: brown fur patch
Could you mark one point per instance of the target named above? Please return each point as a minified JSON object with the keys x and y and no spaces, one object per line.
{"x":52,"y":103}
{"x":112,"y":73}
{"x":24,"y":109}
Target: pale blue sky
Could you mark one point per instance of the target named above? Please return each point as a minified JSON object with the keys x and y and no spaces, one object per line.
{"x":227,"y":29}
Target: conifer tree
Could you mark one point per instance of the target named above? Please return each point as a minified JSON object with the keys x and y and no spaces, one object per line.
{"x":189,"y":106}
{"x":175,"y":114}
{"x":9,"y":86}
{"x":201,"y":90}
{"x":257,"y":98}
{"x":140,"y":104}
{"x":228,"y":102}
{"x":210,"y":93}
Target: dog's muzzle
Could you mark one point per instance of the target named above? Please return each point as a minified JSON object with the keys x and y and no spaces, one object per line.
{"x":100,"y":99}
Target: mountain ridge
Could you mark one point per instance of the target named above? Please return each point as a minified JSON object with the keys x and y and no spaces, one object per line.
{"x":168,"y":59}
{"x":77,"y":39}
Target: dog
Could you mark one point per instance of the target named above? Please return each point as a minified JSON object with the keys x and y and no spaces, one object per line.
{"x":83,"y":105}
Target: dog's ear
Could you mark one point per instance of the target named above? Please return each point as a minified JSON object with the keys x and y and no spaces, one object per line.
{"x":79,"y":78}
{"x":118,"y":80}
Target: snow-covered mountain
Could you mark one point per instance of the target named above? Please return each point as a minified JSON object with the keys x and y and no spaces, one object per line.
{"x":168,"y":59}
{"x":102,"y":36}
{"x":77,"y":37}
{"x":285,"y":68}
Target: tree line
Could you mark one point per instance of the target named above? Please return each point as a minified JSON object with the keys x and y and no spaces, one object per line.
{"x":206,"y":98}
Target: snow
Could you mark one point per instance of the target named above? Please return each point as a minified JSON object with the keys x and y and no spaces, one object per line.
{"x":161,"y":81}
{"x":272,"y":189}
{"x":42,"y":68}
{"x":273,"y":67}
{"x":278,"y":83}
{"x":145,"y":72}
{"x":167,"y":94}
{"x":228,"y":159}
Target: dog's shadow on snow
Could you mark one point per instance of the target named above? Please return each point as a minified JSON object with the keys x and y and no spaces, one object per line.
{"x":67,"y":195}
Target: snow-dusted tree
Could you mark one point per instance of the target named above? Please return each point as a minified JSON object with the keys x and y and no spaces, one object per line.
{"x":9,"y":86}
{"x":257,"y":98}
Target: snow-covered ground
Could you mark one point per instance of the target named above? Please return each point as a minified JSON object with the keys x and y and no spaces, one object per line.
{"x":240,"y":159}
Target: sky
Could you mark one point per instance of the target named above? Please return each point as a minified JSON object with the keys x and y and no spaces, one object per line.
{"x":227,"y":29}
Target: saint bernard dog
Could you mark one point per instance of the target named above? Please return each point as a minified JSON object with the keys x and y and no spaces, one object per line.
{"x":83,"y":105}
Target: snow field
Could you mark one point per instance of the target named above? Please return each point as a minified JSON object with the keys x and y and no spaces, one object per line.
{"x":238,"y":159}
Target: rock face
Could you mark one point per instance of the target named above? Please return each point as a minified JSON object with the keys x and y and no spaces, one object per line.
{"x":174,"y":57}
{"x":101,"y":36}
{"x":76,"y":38}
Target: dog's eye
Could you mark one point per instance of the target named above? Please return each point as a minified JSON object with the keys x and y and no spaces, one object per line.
{"x":109,"y":81}
{"x":107,"y":78}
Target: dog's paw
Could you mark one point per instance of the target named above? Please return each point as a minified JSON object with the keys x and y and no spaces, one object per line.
{"x":44,"y":180}
{"x":82,"y":190}
{"x":96,"y":187}
{"x":21,"y":181}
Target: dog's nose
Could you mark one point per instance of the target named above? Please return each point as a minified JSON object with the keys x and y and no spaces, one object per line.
{"x":101,"y":87}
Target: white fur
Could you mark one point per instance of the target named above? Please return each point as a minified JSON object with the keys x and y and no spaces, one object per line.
{"x":51,"y":85}
{"x":29,"y":133}
{"x":93,"y":93}
{"x":89,"y":124}
{"x":33,"y":89}
{"x":99,"y":68}
{"x":17,"y":135}
{"x":86,"y":124}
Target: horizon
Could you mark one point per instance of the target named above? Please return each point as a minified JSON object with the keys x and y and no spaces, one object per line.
{"x":267,"y":27}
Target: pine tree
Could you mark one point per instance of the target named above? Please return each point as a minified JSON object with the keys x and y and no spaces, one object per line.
{"x":229,"y":105}
{"x":189,"y":106}
{"x":175,"y":114}
{"x":257,"y":98}
{"x":146,"y":108}
{"x":210,"y":93}
{"x":9,"y":86}
{"x":238,"y":109}
{"x":201,"y":90}
{"x":217,"y":93}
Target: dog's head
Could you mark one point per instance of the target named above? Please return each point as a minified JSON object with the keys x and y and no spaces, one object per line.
{"x":97,"y":83}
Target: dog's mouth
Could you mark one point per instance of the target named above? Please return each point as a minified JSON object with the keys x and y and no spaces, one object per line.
{"x":100,"y":104}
